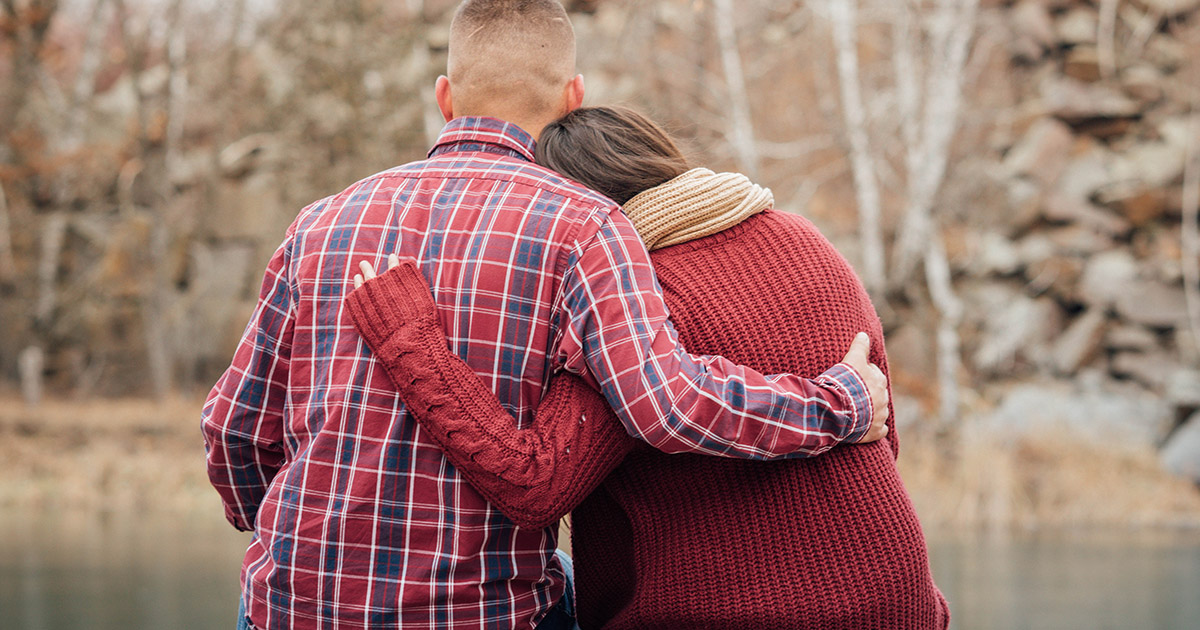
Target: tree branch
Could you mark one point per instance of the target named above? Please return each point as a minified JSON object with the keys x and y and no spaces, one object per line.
{"x":741,"y":132}
{"x":843,"y":17}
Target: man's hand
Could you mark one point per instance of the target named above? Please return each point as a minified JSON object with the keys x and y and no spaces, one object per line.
{"x":876,"y":386}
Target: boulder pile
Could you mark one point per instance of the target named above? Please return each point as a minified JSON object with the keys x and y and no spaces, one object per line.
{"x":1077,"y":314}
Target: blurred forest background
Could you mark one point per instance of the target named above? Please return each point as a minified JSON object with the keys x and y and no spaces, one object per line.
{"x":1016,"y":182}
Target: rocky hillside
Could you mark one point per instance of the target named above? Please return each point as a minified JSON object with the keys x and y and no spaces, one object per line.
{"x":144,"y":192}
{"x":1075,"y":285}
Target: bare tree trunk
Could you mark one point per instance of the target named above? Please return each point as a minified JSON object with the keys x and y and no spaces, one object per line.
{"x":155,"y":154}
{"x":843,"y":15}
{"x":177,"y":86}
{"x":159,"y":347}
{"x":53,"y":235}
{"x":929,"y":98}
{"x":32,"y":358}
{"x":85,"y":79}
{"x":1191,"y":228}
{"x":951,"y":30}
{"x":31,"y":365}
{"x":8,"y":266}
{"x":950,"y":311}
{"x":741,"y":132}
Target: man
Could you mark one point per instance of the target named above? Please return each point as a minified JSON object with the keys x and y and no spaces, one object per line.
{"x":359,"y":520}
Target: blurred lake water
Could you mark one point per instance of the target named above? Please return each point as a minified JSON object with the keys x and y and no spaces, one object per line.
{"x":68,"y":571}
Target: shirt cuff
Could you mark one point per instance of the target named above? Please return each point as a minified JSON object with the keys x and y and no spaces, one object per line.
{"x":850,"y":383}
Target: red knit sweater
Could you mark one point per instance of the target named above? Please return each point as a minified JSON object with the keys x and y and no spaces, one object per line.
{"x":687,"y":541}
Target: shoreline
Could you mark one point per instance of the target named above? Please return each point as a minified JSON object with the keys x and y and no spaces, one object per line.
{"x":142,"y":456}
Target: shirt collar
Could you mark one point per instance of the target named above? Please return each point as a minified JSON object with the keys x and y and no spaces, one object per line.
{"x":479,"y":133}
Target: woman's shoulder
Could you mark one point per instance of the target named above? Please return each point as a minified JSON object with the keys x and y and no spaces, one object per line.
{"x":784,"y":233}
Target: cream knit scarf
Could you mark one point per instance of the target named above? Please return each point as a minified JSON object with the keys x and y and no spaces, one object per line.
{"x":696,"y":204}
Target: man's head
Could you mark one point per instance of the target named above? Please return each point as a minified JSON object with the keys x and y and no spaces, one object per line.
{"x":511,"y":59}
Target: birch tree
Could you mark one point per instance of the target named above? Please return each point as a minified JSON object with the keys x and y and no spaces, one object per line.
{"x":930,"y":125}
{"x":843,"y":16}
{"x":741,"y":129}
{"x":928,"y":98}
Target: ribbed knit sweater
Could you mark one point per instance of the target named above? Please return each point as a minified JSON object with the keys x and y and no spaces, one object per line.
{"x":687,"y":541}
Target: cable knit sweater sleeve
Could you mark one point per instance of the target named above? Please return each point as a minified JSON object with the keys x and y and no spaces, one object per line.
{"x":535,"y":475}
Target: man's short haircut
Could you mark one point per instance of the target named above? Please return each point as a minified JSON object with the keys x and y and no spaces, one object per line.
{"x":510,"y":53}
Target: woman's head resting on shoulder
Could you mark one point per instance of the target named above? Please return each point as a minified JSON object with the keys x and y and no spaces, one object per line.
{"x":612,"y":150}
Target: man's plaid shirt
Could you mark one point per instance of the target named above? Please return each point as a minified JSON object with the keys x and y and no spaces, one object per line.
{"x":358,"y":518}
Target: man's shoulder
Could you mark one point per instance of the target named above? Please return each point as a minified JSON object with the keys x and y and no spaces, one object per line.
{"x":483,"y":166}
{"x":568,"y":199}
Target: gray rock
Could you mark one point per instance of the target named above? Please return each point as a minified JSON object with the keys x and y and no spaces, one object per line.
{"x":1169,"y":8}
{"x":1183,"y":388}
{"x":1152,"y":369}
{"x":1087,"y":173}
{"x":1139,"y":203}
{"x":1079,"y":240}
{"x":1080,"y":343}
{"x":1166,"y":53}
{"x":1058,"y":208}
{"x":1143,"y":82}
{"x":1177,"y":131}
{"x":1152,"y":304}
{"x":1058,"y":274}
{"x":1130,"y":337}
{"x":996,"y":255}
{"x":1185,"y":342}
{"x":1042,"y":152}
{"x":245,"y":155}
{"x":1070,"y":199}
{"x":1032,"y":19}
{"x":1032,"y":31}
{"x":1076,"y":102}
{"x":1107,"y":276}
{"x":1035,"y":248}
{"x":1154,"y":164}
{"x":247,"y":208}
{"x":1110,"y":415}
{"x":1024,"y":205}
{"x":982,"y":299}
{"x":220,"y":283}
{"x":1077,"y":26}
{"x":1018,"y":330}
{"x":1181,"y":453}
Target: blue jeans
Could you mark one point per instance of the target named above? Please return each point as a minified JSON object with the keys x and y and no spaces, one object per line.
{"x":242,"y":623}
{"x":561,"y":617}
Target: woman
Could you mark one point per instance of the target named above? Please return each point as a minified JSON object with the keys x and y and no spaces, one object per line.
{"x":683,"y":541}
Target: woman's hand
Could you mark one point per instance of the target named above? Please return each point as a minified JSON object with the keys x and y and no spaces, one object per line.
{"x":368,"y":271}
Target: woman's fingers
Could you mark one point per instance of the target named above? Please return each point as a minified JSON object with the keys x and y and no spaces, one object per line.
{"x":368,"y":270}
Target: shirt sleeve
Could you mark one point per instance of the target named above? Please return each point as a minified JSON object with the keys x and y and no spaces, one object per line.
{"x":617,"y":334}
{"x":534,"y":475}
{"x":243,"y":417}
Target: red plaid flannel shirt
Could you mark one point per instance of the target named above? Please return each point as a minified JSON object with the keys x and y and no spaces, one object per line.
{"x":358,"y":518}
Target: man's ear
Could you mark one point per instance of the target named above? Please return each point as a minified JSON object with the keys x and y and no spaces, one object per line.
{"x":441,"y":91}
{"x":574,"y":94}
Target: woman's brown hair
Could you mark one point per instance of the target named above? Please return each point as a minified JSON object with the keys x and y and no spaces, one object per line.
{"x":612,"y":150}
